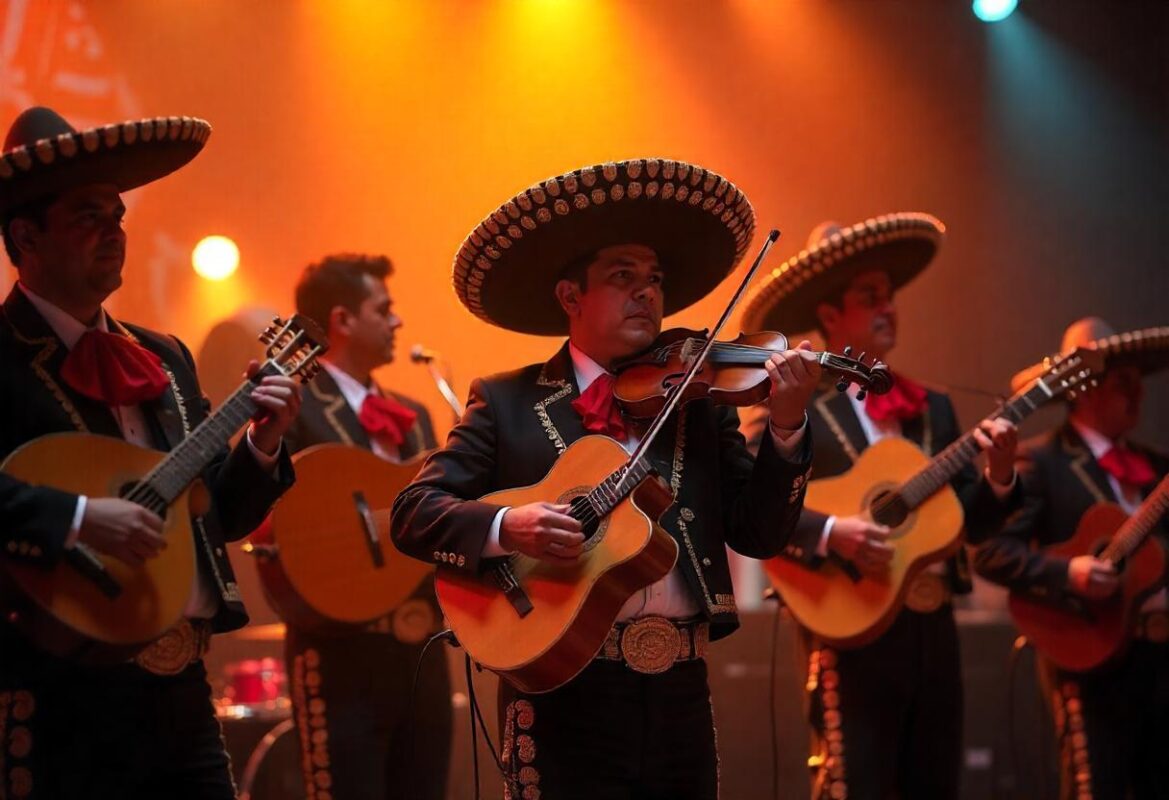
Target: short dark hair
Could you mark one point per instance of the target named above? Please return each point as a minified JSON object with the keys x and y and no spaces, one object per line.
{"x":338,"y":280}
{"x":577,"y":269}
{"x":36,"y":211}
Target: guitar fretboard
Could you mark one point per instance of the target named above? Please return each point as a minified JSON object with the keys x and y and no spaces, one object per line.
{"x":1133,"y":532}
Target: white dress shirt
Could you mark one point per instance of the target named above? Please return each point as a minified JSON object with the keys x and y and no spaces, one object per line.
{"x":204,"y":599}
{"x":670,"y":597}
{"x":355,"y":392}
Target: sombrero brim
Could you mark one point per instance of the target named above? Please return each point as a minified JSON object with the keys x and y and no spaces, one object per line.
{"x":785,"y":300}
{"x":1147,"y":349}
{"x":127,"y":155}
{"x":697,"y":222}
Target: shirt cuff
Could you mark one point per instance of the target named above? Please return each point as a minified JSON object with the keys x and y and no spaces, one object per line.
{"x":1001,"y":491}
{"x":78,"y":515}
{"x":787,"y":443}
{"x":822,"y":547}
{"x":492,"y":548}
{"x":266,"y":462}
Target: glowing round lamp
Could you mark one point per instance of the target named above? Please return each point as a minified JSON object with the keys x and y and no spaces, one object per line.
{"x":215,"y":258}
{"x":993,"y":10}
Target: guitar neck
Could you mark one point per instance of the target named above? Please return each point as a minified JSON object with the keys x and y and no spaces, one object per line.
{"x":1133,"y":532}
{"x":948,"y":463}
{"x":182,"y":465}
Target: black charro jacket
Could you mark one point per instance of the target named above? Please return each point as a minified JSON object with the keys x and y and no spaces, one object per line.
{"x":517,"y":424}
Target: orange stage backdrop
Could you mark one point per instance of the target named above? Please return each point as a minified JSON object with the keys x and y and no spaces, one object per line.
{"x":394,"y":126}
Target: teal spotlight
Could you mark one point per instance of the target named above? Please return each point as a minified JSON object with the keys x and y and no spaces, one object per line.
{"x":993,"y":10}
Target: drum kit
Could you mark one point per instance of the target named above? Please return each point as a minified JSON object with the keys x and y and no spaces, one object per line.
{"x":256,"y":716}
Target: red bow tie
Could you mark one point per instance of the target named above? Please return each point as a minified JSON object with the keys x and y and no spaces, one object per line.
{"x":599,"y":411}
{"x":1127,"y":466}
{"x":384,"y":416}
{"x":905,"y":401}
{"x":114,"y":369}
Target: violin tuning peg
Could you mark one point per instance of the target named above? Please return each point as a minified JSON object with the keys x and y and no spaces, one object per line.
{"x":861,"y":357}
{"x":842,"y":385}
{"x":860,"y":395}
{"x":848,"y":351}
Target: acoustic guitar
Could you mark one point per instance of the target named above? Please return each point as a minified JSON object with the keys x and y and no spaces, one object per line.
{"x":96,"y":608}
{"x":324,"y":555}
{"x":895,"y":484}
{"x":1089,"y":633}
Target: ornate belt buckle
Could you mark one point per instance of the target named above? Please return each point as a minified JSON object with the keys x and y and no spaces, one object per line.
{"x":413,"y":621}
{"x":651,"y":645}
{"x":926,"y":593}
{"x":172,"y":652}
{"x":1155,"y":626}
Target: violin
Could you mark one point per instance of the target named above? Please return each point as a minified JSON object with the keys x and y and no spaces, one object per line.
{"x":732,"y":374}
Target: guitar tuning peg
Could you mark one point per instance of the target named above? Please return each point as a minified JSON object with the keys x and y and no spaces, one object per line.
{"x":860,"y":395}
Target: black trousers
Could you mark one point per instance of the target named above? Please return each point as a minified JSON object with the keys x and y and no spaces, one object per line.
{"x":118,"y":732}
{"x":612,"y":734}
{"x":887,"y":717}
{"x":1113,"y":726}
{"x":359,"y":738}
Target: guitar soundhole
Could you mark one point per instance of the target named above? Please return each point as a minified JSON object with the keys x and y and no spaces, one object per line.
{"x":888,"y":508}
{"x":592,"y":528}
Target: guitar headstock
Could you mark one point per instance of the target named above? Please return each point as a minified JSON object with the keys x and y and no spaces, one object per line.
{"x":293,"y":346}
{"x":873,"y":378}
{"x":1072,"y":373}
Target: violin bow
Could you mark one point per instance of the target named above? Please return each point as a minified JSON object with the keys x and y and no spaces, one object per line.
{"x":696,"y":363}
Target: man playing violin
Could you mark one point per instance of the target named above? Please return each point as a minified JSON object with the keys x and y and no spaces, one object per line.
{"x":1112,"y":723}
{"x":602,"y":253}
{"x":886,"y":717}
{"x":144,"y":728}
{"x":374,"y":745}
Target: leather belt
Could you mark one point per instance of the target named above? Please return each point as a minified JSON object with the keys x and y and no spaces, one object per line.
{"x":927,"y":592}
{"x":652,"y":645}
{"x":177,"y":649}
{"x":1153,"y":626}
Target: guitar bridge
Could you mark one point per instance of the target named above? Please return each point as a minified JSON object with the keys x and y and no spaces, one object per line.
{"x":507,"y":582}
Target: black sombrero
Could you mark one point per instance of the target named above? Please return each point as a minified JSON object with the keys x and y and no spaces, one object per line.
{"x":1146,"y":349}
{"x":902,"y":244}
{"x":697,"y":222}
{"x":43,"y":154}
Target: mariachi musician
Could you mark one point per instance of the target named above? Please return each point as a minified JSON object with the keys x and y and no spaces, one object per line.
{"x":351,"y":687}
{"x":1113,"y":722}
{"x":144,"y":728}
{"x":600,"y":254}
{"x":886,"y":717}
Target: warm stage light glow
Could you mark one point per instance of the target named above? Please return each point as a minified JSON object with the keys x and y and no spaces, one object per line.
{"x":215,"y":258}
{"x":993,"y":10}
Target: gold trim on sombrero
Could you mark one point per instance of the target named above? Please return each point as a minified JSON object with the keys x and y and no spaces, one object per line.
{"x":843,"y":246}
{"x":632,"y":184}
{"x":67,"y":145}
{"x":1148,"y":346}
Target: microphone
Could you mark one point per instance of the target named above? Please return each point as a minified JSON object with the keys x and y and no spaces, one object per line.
{"x":422,"y":355}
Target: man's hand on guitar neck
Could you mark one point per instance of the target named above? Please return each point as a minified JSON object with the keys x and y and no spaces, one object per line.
{"x":121,"y":529}
{"x":1092,"y":577}
{"x":862,"y":542}
{"x":542,"y":530}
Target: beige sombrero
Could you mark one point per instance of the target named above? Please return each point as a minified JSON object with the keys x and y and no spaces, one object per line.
{"x":902,"y":244}
{"x":43,"y":154}
{"x":1147,"y":348}
{"x":697,"y":222}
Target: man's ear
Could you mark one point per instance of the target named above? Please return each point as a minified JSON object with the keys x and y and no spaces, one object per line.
{"x":828,"y":315}
{"x":340,"y":319}
{"x":568,"y":294}
{"x":24,"y":234}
